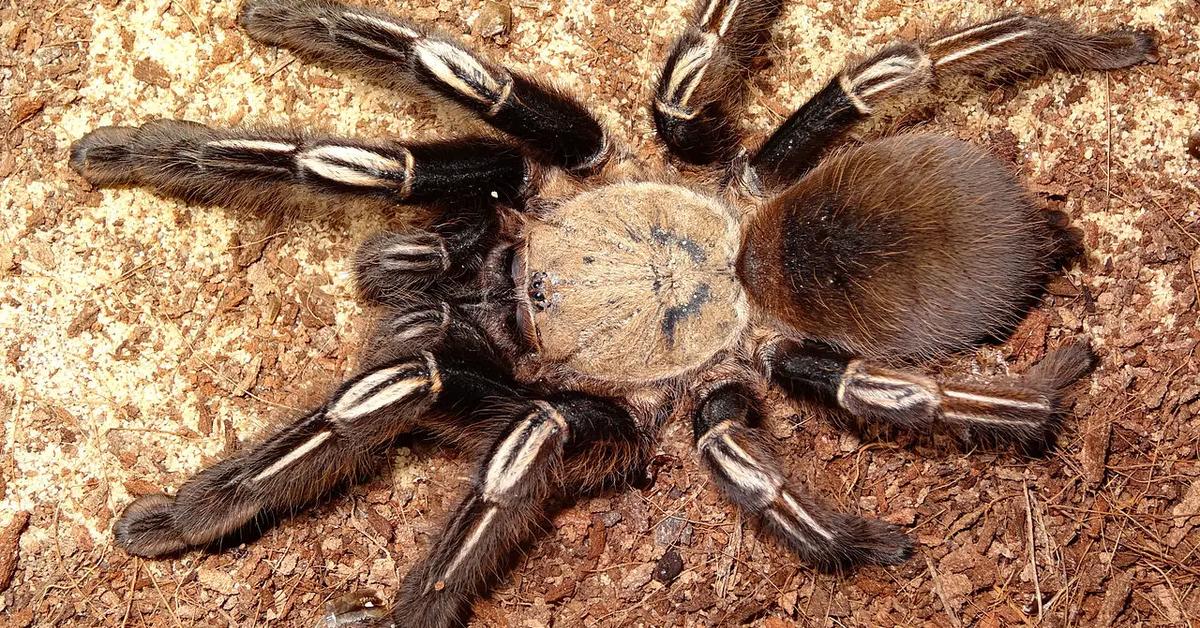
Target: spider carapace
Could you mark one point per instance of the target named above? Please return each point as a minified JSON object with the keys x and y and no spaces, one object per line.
{"x":570,"y":298}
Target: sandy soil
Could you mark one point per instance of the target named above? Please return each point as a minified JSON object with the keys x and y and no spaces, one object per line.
{"x":141,"y":338}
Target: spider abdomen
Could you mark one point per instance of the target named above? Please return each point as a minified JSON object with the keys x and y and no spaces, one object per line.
{"x":906,"y":247}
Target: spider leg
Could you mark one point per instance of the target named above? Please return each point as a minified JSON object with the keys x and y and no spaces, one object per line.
{"x":390,"y":266}
{"x":703,"y":81}
{"x":402,"y":55}
{"x":739,"y":458}
{"x":1027,"y":413}
{"x":273,"y":170}
{"x":402,"y":390}
{"x":554,"y":448}
{"x":1015,"y":45}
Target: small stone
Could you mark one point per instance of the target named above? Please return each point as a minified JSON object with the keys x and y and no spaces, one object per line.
{"x":218,"y":581}
{"x":319,"y":308}
{"x":26,"y":108}
{"x":189,"y":611}
{"x":783,"y":427}
{"x":151,"y":72}
{"x":1167,"y":601}
{"x":249,"y":377}
{"x":287,"y":566}
{"x":11,"y":32}
{"x":673,"y":531}
{"x":7,"y":258}
{"x":668,"y":566}
{"x":1116,"y":596}
{"x":788,"y":599}
{"x":87,"y":316}
{"x":636,"y":578}
{"x":494,"y":19}
{"x":956,"y":587}
{"x":8,"y":163}
{"x":902,"y":517}
{"x":10,"y":547}
{"x":1189,"y":505}
{"x":611,"y":518}
{"x":1194,"y":146}
{"x":1098,"y":432}
{"x":356,"y":608}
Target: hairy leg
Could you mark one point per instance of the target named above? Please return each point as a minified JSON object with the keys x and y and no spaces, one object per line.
{"x":402,"y":389}
{"x":703,"y":81}
{"x":529,"y":465}
{"x":740,"y":460}
{"x":1026,"y":413}
{"x":389,"y":267}
{"x":280,"y":170}
{"x":1016,"y":46}
{"x":403,"y":55}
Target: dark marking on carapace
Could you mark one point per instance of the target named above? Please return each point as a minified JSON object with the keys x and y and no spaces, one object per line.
{"x":632,"y":233}
{"x":677,"y":313}
{"x":666,"y":237}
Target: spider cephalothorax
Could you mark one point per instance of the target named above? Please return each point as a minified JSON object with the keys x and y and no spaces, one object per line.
{"x":644,"y":266}
{"x":569,"y":299}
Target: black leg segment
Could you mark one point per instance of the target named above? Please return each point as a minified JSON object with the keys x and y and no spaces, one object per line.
{"x":427,"y":373}
{"x":703,"y":81}
{"x":527,"y":467}
{"x":279,"y":170}
{"x":406,"y":56}
{"x":1010,"y":47}
{"x":327,"y":447}
{"x":799,"y":144}
{"x":740,"y":460}
{"x":1026,"y":413}
{"x":440,"y":260}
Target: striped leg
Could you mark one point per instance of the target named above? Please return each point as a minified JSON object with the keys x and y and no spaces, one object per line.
{"x":530,"y":463}
{"x":703,"y":81}
{"x":389,"y":266}
{"x":403,"y":55}
{"x":1026,"y":413}
{"x":279,"y":170}
{"x":336,"y":443}
{"x":1014,"y":46}
{"x":740,"y":461}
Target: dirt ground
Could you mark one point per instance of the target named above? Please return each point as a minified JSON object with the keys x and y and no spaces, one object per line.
{"x":140,"y":338}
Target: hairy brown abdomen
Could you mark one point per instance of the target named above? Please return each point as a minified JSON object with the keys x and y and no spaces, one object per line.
{"x":906,"y":247}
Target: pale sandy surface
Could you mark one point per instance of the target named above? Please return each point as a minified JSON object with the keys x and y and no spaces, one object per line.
{"x":141,"y":338}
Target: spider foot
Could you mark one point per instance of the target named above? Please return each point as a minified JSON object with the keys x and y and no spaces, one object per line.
{"x":98,"y":155}
{"x":852,"y":541}
{"x":1026,"y":413}
{"x":147,"y":529}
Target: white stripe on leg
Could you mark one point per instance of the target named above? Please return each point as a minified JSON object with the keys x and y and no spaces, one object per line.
{"x":292,"y":456}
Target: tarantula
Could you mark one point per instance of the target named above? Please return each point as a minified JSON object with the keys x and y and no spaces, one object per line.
{"x":569,"y":299}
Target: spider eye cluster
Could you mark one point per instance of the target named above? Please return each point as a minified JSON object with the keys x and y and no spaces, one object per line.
{"x":537,"y":291}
